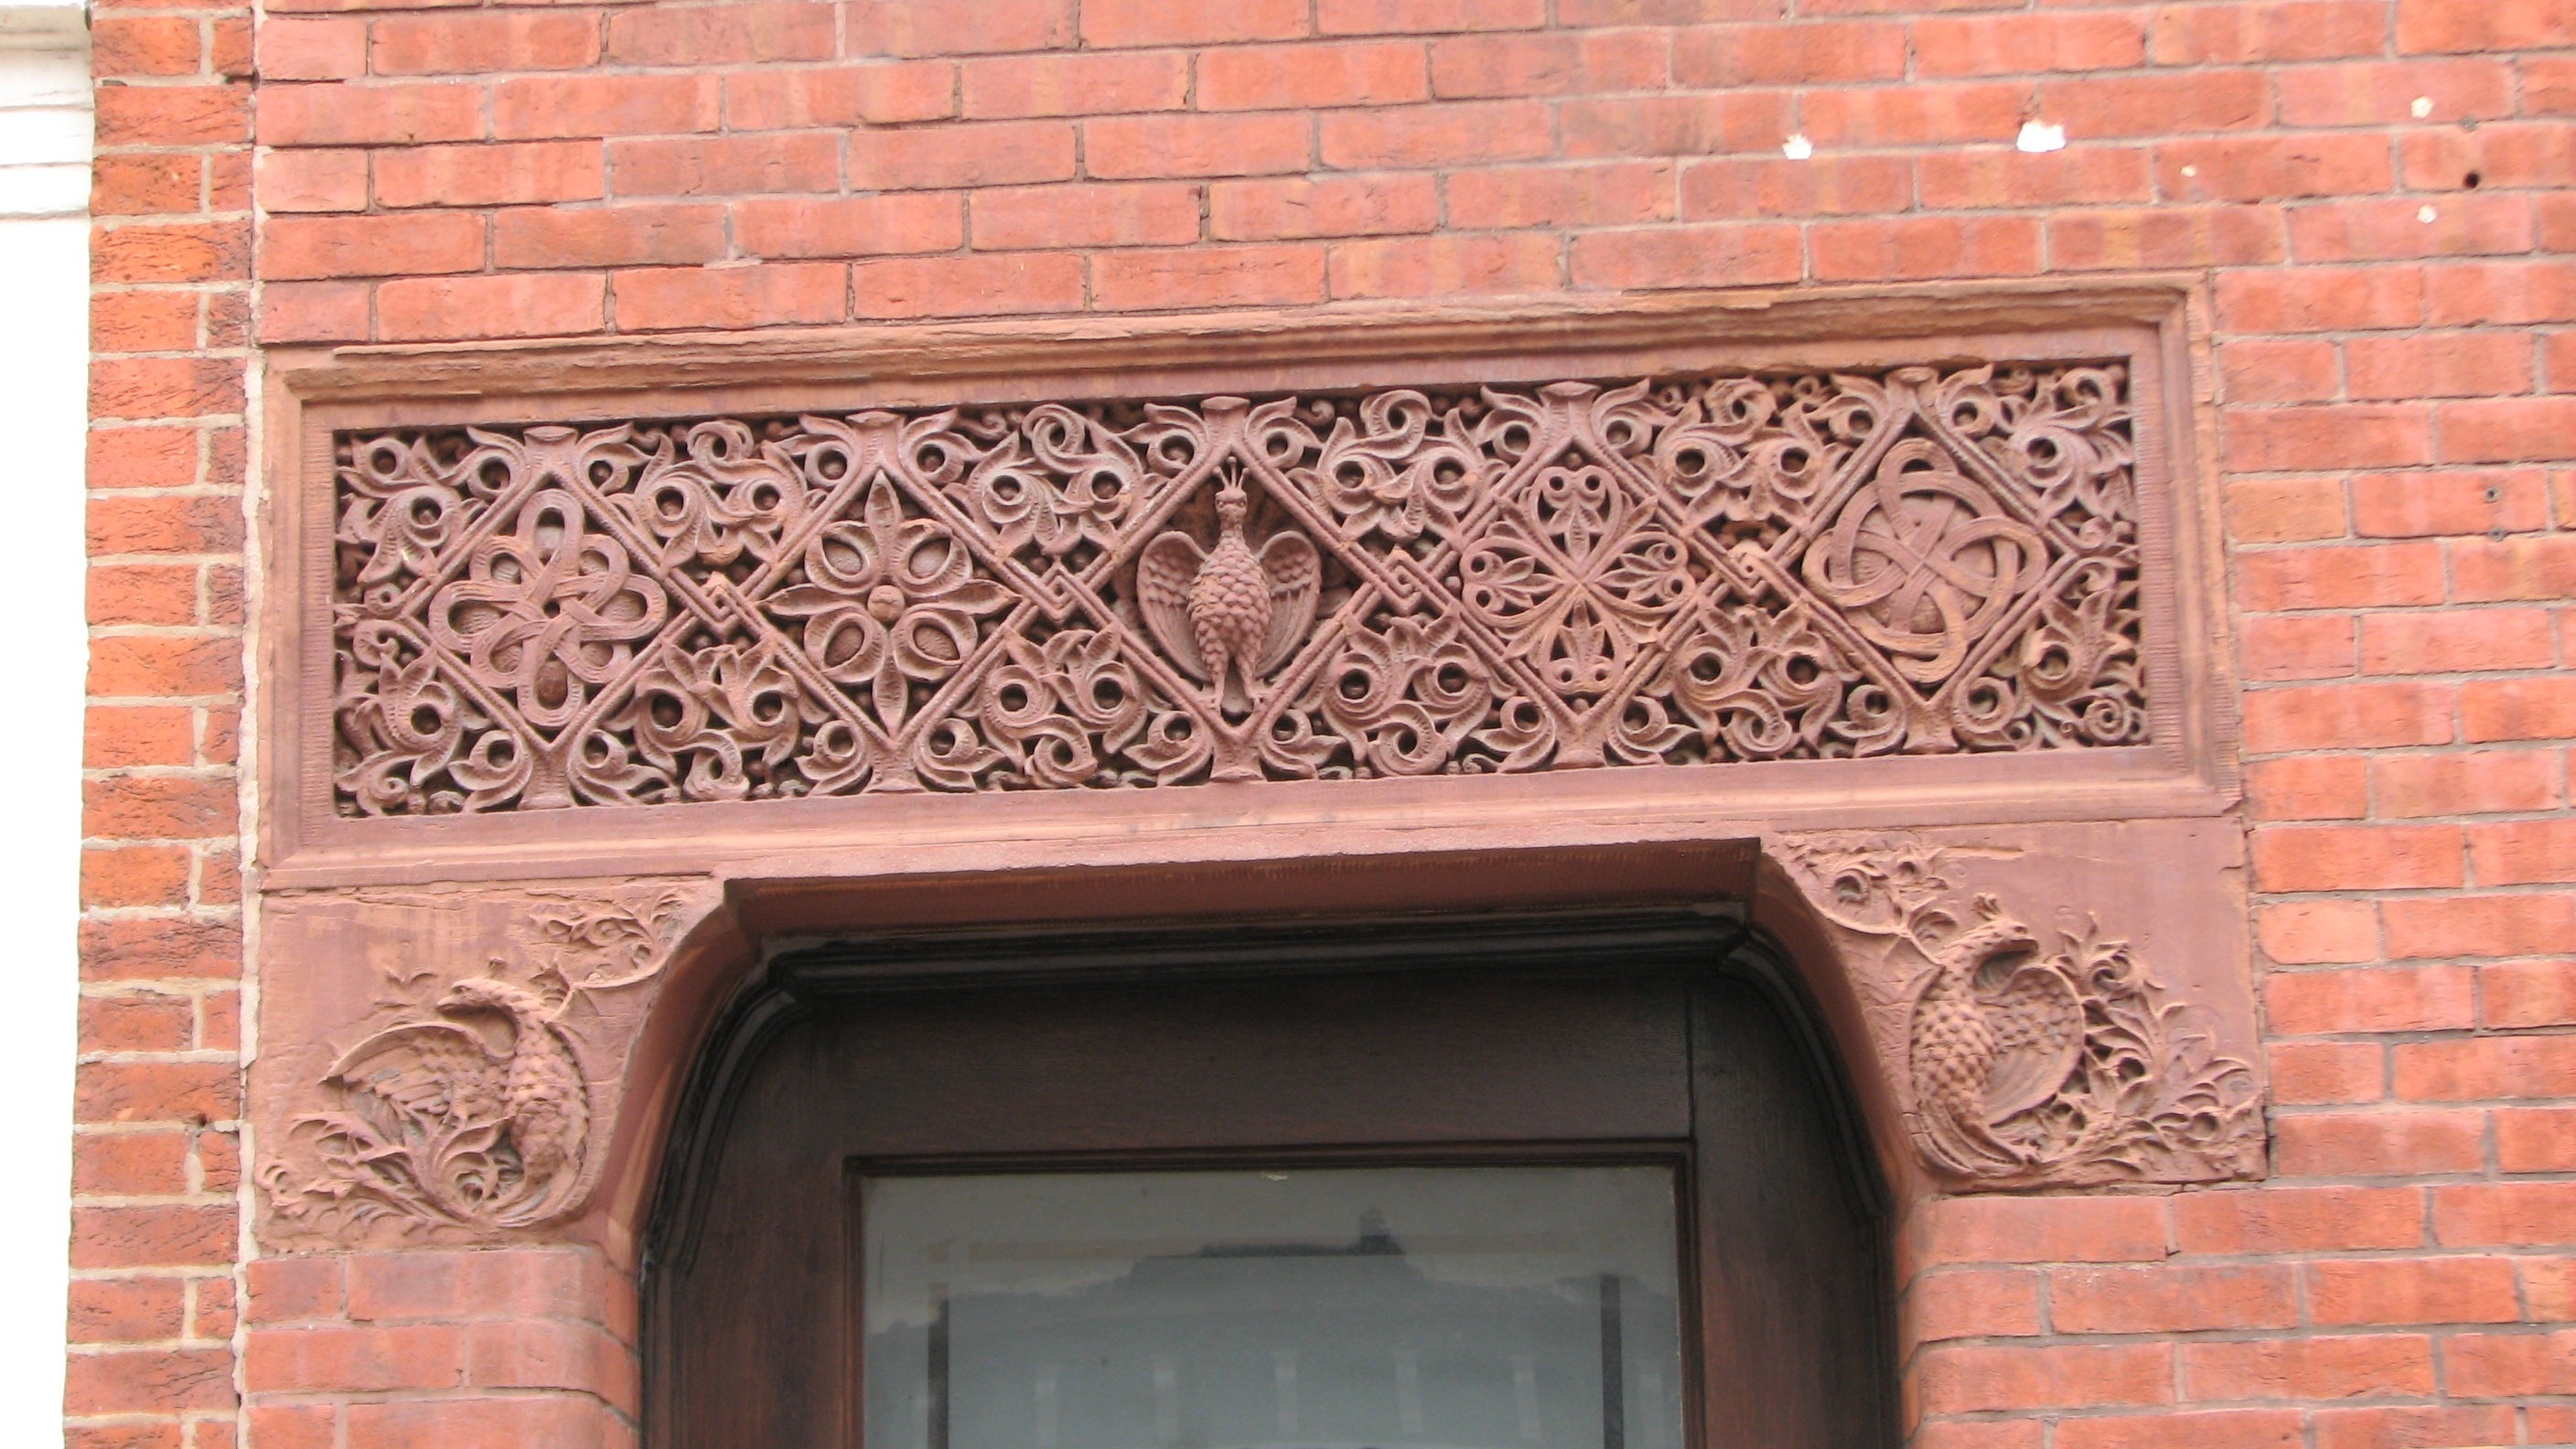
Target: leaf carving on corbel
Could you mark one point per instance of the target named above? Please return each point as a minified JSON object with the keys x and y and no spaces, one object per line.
{"x":2031,"y":1060}
{"x":473,"y":1105}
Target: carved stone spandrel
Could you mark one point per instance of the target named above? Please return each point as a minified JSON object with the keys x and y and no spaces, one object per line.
{"x":2070,"y":1005}
{"x":443,"y":1065}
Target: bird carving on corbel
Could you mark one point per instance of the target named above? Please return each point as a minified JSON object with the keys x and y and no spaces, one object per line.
{"x":482,"y":1108}
{"x":1996,"y":1032}
{"x":1229,"y":615}
{"x":472,"y":1108}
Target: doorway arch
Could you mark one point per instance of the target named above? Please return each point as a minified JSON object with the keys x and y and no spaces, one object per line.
{"x":1665,"y":1035}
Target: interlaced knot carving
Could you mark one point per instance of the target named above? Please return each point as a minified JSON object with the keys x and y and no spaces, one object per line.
{"x":1685,"y":570}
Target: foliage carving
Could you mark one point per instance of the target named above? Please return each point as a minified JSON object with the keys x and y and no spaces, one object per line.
{"x":1675,"y":571}
{"x":473,"y":1106}
{"x":2032,"y":1060}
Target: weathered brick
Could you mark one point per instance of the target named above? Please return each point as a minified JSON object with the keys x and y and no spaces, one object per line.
{"x":2170,"y":1299}
{"x":437,"y":309}
{"x":2393,"y":1144}
{"x":1969,"y":1380}
{"x":741,"y":32}
{"x":2471,"y":640}
{"x":2302,"y":1003}
{"x":1020,"y":86}
{"x":1251,"y":275}
{"x":1473,"y":67}
{"x":846,"y":226}
{"x":949,"y":27}
{"x":463,"y":43}
{"x":2412,"y":1290}
{"x":607,"y":236}
{"x":1972,"y":1303}
{"x":1919,"y":247}
{"x":991,"y":284}
{"x":2309,"y":787}
{"x":2484,"y":1067}
{"x":355,"y":115}
{"x":1346,"y":73}
{"x":1187,"y":22}
{"x":2529,"y":993}
{"x":1727,"y":189}
{"x":1325,"y":206}
{"x":998,"y":153}
{"x":2477,"y":783}
{"x":370,"y":246}
{"x":726,"y":165}
{"x":1145,"y":213}
{"x":1443,"y":266}
{"x":768,"y":295}
{"x":537,"y":107}
{"x":2366,"y":857}
{"x":1710,"y":254}
{"x":2027,"y":44}
{"x":883,"y":94}
{"x":2489,"y":925}
{"x":2308,"y":1368}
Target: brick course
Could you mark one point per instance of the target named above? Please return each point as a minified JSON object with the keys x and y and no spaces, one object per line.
{"x":2391,"y":334}
{"x":156,"y":1156}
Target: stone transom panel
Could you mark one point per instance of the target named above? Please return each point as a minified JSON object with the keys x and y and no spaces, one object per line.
{"x":1672,"y":571}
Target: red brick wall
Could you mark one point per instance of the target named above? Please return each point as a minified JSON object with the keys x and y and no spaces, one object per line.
{"x":2394,"y":354}
{"x":156,"y":1162}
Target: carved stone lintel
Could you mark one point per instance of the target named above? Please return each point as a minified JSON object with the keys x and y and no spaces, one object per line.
{"x":1682,"y":570}
{"x":473,"y":1099}
{"x":2027,"y":1058}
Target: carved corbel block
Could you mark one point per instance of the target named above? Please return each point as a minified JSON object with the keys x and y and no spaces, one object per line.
{"x":2066,"y":1005}
{"x":443,"y":1065}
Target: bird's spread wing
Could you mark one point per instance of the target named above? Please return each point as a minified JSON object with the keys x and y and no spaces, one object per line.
{"x":1163,"y":575}
{"x":2039,"y":1028}
{"x":436,"y":1070}
{"x":1296,"y":579}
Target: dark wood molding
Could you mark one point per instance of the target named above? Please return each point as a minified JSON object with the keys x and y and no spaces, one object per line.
{"x":1774,"y":1104}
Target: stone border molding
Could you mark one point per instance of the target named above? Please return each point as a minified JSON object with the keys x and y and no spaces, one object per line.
{"x":1425,"y":569}
{"x":874,"y":631}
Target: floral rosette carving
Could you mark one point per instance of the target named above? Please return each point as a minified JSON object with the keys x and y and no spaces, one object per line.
{"x":2033,"y":1059}
{"x":1676,"y":571}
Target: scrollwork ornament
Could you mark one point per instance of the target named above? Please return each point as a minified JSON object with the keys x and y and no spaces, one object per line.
{"x":2031,"y":1058}
{"x":1673,"y":571}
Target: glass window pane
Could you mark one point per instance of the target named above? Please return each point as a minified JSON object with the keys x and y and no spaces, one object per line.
{"x":1439,"y":1307}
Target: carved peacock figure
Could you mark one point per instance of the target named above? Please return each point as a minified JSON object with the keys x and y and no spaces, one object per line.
{"x":2031,"y":1062}
{"x":1229,"y":615}
{"x":1996,"y":1032}
{"x":472,"y":1108}
{"x":483,"y":1110}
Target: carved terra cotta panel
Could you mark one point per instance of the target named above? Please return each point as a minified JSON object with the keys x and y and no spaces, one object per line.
{"x":1925,"y":611}
{"x":458,"y":1065}
{"x":449,"y":1063}
{"x":2041,"y":1021}
{"x":1675,"y":570}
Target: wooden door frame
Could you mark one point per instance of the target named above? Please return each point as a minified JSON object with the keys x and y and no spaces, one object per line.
{"x":1711,"y":945}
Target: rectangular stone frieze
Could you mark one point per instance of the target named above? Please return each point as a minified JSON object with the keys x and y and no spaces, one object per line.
{"x":1679,"y":570}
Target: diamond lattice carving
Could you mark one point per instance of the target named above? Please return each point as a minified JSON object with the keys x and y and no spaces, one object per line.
{"x":1673,"y":571}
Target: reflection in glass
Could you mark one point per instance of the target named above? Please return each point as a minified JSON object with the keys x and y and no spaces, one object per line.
{"x":1392,"y":1308}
